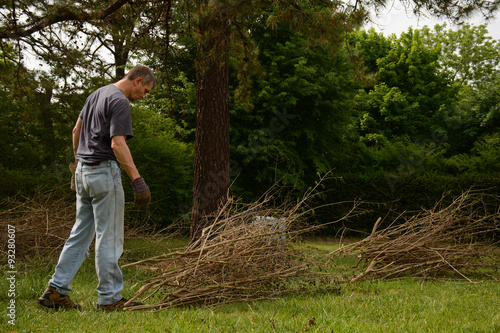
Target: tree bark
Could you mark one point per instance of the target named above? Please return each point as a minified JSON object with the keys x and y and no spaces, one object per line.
{"x":211,"y":160}
{"x":120,"y":55}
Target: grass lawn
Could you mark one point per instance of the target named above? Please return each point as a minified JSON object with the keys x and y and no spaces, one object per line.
{"x":377,"y":306}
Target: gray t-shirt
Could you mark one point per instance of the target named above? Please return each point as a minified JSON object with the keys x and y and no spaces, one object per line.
{"x":106,"y":113}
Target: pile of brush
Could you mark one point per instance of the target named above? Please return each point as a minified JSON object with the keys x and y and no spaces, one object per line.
{"x":459,"y":239}
{"x":42,"y":222}
{"x":243,"y":254}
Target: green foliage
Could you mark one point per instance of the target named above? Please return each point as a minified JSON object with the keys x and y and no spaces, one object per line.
{"x":467,"y":53}
{"x":411,"y":93}
{"x":370,"y":46}
{"x":174,"y":97}
{"x":429,"y":123}
{"x":483,"y":159}
{"x":300,"y":114}
{"x":471,"y":58}
{"x":15,"y":154}
{"x":38,"y":133}
{"x":164,"y":162}
{"x":477,"y":115}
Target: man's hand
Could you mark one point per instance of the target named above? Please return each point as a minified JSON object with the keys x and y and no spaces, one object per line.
{"x":72,"y":168}
{"x":142,"y":195}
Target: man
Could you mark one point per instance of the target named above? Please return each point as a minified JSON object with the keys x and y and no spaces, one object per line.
{"x":100,"y":148}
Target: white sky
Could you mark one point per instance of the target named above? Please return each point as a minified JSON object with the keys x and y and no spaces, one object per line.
{"x":396,"y":20}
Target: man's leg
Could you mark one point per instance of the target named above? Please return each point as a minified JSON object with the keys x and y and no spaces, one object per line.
{"x":109,"y":217}
{"x":75,"y":250}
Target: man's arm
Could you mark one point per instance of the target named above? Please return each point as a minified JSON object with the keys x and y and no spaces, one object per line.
{"x":124,"y":157}
{"x":142,"y":195}
{"x":76,"y":135}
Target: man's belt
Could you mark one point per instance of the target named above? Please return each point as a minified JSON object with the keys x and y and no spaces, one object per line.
{"x":92,"y":164}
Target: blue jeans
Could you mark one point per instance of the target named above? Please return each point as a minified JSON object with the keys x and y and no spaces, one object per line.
{"x":100,"y":205}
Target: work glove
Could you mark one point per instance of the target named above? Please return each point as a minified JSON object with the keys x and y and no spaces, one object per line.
{"x":142,"y":195}
{"x":72,"y":167}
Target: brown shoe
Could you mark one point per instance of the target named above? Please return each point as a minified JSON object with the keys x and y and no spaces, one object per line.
{"x":116,"y":305}
{"x":52,"y":299}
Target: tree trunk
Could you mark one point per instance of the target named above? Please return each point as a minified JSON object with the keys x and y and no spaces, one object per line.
{"x":211,"y":159}
{"x":121,"y":57}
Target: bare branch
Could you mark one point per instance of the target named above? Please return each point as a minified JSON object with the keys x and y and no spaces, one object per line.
{"x":63,"y":14}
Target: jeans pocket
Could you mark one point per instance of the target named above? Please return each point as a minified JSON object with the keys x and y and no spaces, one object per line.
{"x":98,"y":184}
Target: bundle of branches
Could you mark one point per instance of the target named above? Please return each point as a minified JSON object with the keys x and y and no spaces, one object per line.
{"x":42,"y":222}
{"x":245,"y":253}
{"x":455,"y":240}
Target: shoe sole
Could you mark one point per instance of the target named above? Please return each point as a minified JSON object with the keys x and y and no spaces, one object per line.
{"x":47,"y":303}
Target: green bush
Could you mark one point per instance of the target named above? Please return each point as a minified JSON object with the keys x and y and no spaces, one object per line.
{"x":166,"y":165}
{"x":388,"y":198}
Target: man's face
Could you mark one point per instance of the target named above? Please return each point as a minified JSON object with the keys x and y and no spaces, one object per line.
{"x":139,"y":91}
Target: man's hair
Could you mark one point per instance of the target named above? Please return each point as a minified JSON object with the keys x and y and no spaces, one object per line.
{"x":143,"y":72}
